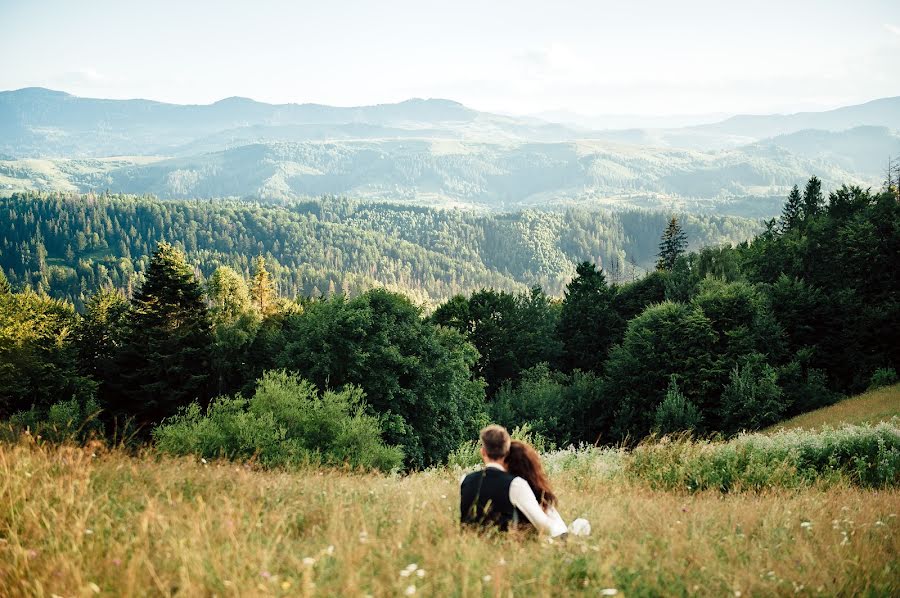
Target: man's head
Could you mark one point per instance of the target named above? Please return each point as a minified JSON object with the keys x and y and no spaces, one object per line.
{"x":494,"y":443}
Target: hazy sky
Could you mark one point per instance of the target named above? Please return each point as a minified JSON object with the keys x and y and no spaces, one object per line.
{"x":591,"y":56}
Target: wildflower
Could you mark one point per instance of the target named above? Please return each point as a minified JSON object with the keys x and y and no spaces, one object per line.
{"x":309,"y":561}
{"x":879,"y":522}
{"x":94,"y":587}
{"x":410,"y":590}
{"x":330,"y":550}
{"x":363,"y":537}
{"x":609,"y":592}
{"x":412,"y":567}
{"x":806,"y":524}
{"x":487,"y":578}
{"x":88,"y":531}
{"x":117,"y":562}
{"x":265,"y":575}
{"x":420,"y":573}
{"x":285,"y":585}
{"x":202,"y":460}
{"x":405,"y":573}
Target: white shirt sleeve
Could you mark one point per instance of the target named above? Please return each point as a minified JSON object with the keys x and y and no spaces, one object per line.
{"x":522,"y":497}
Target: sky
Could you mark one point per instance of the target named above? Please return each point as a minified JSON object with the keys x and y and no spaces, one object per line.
{"x":592,"y":57}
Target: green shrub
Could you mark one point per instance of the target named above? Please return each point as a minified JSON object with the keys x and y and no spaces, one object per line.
{"x":676,"y":413}
{"x":863,"y":455}
{"x":752,"y":399}
{"x":65,"y":421}
{"x":883,"y":377}
{"x":286,"y":422}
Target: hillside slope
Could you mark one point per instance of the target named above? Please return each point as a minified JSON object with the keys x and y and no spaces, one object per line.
{"x":870,"y":407}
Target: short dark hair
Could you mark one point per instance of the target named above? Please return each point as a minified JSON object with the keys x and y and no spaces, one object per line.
{"x":495,"y":440}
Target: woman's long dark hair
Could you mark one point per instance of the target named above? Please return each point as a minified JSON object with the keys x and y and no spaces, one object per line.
{"x":525,"y":462}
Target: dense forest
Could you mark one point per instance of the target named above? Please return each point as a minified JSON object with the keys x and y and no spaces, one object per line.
{"x":720,"y":339}
{"x":69,"y":246}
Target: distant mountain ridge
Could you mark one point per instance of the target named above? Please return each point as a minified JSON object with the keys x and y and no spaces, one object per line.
{"x":431,"y":151}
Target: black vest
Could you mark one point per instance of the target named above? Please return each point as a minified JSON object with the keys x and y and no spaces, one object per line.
{"x":484,"y":499}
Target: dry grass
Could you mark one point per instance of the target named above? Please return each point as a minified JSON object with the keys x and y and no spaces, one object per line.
{"x":73,"y":524}
{"x":875,"y":406}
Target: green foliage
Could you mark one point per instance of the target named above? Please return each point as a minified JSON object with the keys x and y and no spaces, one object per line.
{"x":561,"y":408}
{"x":862,"y":455}
{"x":511,"y":332}
{"x":588,"y":322}
{"x":671,"y":246}
{"x":38,"y":364}
{"x":792,"y":211}
{"x":73,"y":245}
{"x":417,"y":376}
{"x":286,"y":422}
{"x":164,"y":360}
{"x":675,"y":413}
{"x":752,"y":399}
{"x":64,"y":421}
{"x":228,"y":293}
{"x":666,"y":339}
{"x":883,"y":377}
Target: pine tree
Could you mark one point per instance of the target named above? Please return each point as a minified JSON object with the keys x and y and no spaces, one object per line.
{"x":671,"y":246}
{"x":813,"y":200}
{"x":792,"y":211}
{"x":588,"y":323}
{"x":164,"y":361}
{"x":5,"y":287}
{"x":262,"y":289}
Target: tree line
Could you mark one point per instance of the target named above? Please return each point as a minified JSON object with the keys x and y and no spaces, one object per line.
{"x":69,"y":246}
{"x":725,"y":338}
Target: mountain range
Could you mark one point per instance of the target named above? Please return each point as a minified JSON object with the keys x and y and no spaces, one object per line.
{"x":431,"y":151}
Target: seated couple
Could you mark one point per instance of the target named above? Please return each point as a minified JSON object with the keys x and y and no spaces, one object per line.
{"x":512,"y":491}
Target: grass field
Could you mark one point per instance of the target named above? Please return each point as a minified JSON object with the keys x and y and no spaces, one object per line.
{"x":875,"y":406}
{"x":85,"y":522}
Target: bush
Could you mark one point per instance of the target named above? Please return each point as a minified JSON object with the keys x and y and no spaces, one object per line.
{"x":863,"y":455}
{"x":64,"y":421}
{"x":675,"y":413}
{"x":752,"y":399}
{"x":286,"y":422}
{"x":883,"y":377}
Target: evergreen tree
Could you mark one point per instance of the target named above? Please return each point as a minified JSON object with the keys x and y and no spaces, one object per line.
{"x":99,"y":333}
{"x":813,"y":200}
{"x":5,"y":287}
{"x":262,"y":288}
{"x":588,"y":322}
{"x":228,"y":294}
{"x":792,"y":211}
{"x":164,"y":362}
{"x":671,"y":246}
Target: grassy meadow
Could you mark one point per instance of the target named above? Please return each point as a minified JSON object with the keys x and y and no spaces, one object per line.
{"x":87,"y":521}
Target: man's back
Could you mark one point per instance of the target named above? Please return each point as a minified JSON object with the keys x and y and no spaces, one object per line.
{"x":484,"y":498}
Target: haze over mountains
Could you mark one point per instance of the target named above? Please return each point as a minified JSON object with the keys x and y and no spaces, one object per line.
{"x":436,"y":152}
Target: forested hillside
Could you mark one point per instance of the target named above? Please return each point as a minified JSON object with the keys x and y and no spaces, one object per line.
{"x":72,"y":245}
{"x":711,"y":341}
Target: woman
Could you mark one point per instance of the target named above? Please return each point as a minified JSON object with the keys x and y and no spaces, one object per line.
{"x":524,"y":462}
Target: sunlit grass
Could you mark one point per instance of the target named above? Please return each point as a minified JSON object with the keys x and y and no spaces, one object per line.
{"x":76,"y":524}
{"x":875,"y":406}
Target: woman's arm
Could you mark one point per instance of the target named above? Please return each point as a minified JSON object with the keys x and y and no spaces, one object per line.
{"x":522,"y":497}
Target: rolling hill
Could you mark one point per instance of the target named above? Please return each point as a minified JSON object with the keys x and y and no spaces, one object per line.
{"x":431,"y":151}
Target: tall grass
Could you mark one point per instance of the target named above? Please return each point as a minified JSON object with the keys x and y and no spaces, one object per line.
{"x":861,"y":455}
{"x":83,"y":522}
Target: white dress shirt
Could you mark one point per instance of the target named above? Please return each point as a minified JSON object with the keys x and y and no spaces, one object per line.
{"x":522,"y":497}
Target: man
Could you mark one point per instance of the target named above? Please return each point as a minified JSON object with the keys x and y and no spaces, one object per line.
{"x":494,"y":497}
